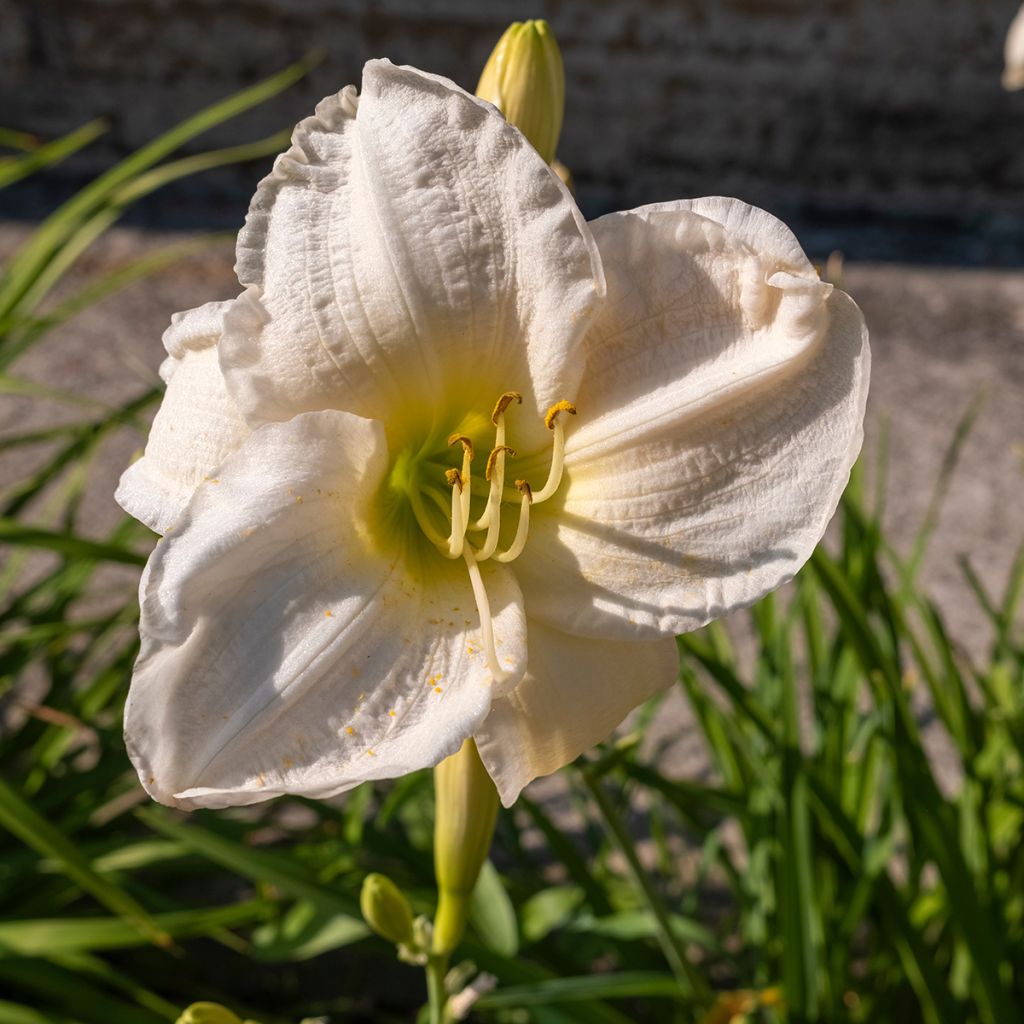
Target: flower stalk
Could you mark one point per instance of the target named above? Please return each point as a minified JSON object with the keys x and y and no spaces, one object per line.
{"x":467,"y":810}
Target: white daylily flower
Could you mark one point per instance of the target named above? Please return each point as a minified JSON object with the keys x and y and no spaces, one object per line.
{"x":349,"y":585}
{"x":1013,"y":71}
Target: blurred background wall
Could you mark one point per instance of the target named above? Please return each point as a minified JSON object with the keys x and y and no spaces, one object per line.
{"x":875,"y":126}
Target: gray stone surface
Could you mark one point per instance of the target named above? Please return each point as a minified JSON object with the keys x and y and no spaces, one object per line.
{"x":842,"y":113}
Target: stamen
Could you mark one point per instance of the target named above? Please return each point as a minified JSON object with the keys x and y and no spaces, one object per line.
{"x":495,"y":473}
{"x":553,"y":422}
{"x":489,"y":516}
{"x":456,"y":540}
{"x":467,"y":458}
{"x":515,"y":549}
{"x":483,"y":607}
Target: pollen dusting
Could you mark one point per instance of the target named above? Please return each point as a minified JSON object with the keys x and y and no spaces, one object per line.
{"x":261,"y":779}
{"x":287,"y":763}
{"x":356,"y":671}
{"x":371,"y":753}
{"x":328,"y":614}
{"x":437,"y":689}
{"x":248,"y":531}
{"x":349,"y":731}
{"x":211,"y":479}
{"x":559,"y":407}
{"x":392,"y":712}
{"x":298,"y":499}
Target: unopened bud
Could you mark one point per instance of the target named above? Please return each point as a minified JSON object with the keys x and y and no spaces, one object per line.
{"x":467,"y":808}
{"x":386,"y":909}
{"x":1013,"y":73}
{"x":525,"y":80}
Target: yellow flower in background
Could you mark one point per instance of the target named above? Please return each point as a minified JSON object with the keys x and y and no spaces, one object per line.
{"x":457,"y":464}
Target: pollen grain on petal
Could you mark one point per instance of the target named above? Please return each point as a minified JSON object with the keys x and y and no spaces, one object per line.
{"x":559,"y":407}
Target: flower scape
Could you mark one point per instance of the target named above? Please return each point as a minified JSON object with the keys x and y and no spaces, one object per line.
{"x":458,"y":464}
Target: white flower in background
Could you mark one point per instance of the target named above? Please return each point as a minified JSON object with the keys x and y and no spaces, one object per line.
{"x":1013,"y":73}
{"x":456,"y":463}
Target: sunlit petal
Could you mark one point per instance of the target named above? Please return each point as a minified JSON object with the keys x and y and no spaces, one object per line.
{"x":575,"y":692}
{"x":720,"y":416}
{"x":195,"y":429}
{"x":283,"y":651}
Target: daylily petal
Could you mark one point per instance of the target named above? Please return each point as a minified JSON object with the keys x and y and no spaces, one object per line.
{"x":411,"y":247}
{"x":284,"y":650}
{"x":574,"y":693}
{"x":196,"y":427}
{"x":721,"y":412}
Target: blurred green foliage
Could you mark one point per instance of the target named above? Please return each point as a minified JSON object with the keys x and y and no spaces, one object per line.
{"x":820,"y":872}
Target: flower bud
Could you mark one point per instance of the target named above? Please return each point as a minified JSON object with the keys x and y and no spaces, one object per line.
{"x":208,"y":1013}
{"x":467,"y":809}
{"x":1013,"y":73}
{"x":386,"y":909}
{"x":524,"y":79}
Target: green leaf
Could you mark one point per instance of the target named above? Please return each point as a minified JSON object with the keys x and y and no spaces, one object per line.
{"x":13,"y":169}
{"x":304,"y":932}
{"x":624,"y":985}
{"x":20,"y":819}
{"x":549,"y":909}
{"x":45,"y":938}
{"x":492,"y":915}
{"x":67,"y":544}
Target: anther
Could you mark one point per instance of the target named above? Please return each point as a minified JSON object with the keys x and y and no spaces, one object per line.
{"x":493,"y":458}
{"x":551,"y":416}
{"x":467,"y":444}
{"x":503,"y":403}
{"x":454,"y":478}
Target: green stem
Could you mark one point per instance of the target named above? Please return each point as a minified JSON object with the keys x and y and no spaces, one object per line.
{"x":672,"y":947}
{"x":437,"y":997}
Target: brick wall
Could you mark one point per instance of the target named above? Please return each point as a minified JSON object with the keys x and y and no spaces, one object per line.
{"x":844,"y":113}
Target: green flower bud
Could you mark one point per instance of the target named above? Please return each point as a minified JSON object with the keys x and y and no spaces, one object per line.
{"x":467,"y":809}
{"x":524,"y":79}
{"x":386,"y":909}
{"x":210,"y":1013}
